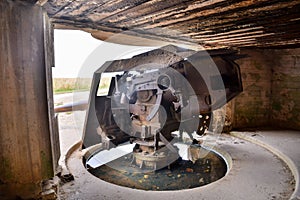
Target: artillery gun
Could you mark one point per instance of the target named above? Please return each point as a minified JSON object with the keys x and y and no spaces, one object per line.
{"x":145,"y":99}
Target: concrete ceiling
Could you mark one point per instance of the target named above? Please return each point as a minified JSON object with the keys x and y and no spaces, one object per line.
{"x":207,"y":23}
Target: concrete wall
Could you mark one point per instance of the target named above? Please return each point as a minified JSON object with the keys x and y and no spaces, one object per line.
{"x":271,"y":96}
{"x":285,"y":102}
{"x":251,"y":108}
{"x":25,"y":144}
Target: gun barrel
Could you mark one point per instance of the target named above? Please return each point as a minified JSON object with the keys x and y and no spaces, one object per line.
{"x":69,"y":107}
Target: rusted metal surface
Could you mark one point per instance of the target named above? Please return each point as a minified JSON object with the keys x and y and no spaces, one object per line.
{"x":212,"y":24}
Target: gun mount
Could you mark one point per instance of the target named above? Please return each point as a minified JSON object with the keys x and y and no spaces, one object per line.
{"x":146,"y":98}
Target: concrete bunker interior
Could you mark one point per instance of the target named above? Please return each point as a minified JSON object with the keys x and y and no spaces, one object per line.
{"x":268,"y":105}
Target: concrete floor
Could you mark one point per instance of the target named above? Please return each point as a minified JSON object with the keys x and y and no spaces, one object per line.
{"x":285,"y":144}
{"x":265,"y":165}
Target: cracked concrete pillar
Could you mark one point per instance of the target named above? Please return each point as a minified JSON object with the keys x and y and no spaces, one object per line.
{"x":25,"y":146}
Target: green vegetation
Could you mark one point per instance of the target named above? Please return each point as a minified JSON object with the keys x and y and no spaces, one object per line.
{"x":276,"y":105}
{"x":257,"y":65}
{"x":6,"y":169}
{"x":65,"y":85}
{"x":46,"y":167}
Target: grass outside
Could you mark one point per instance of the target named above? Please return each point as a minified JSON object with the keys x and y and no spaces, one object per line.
{"x":66,"y":85}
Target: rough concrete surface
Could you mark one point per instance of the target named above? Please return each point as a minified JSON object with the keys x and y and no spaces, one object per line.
{"x":256,"y":172}
{"x":283,"y":143}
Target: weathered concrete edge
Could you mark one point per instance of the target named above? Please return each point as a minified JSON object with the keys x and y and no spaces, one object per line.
{"x":279,"y":154}
{"x":86,"y":153}
{"x":64,"y":159}
{"x":224,"y":154}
